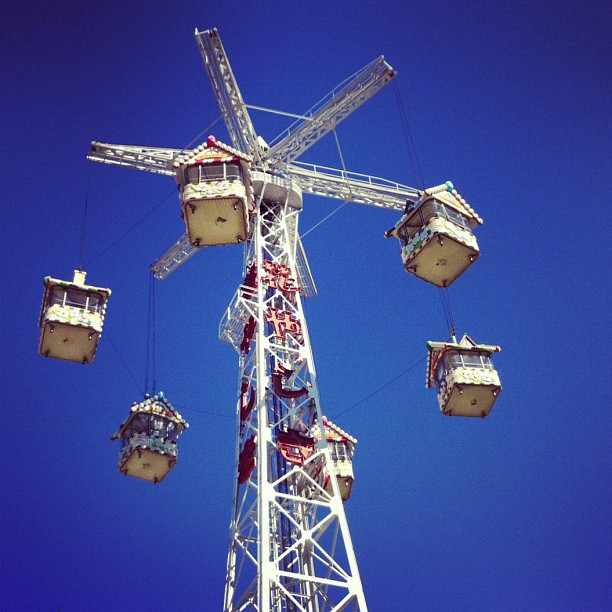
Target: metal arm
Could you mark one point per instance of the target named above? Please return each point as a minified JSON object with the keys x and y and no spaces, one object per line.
{"x":233,"y":108}
{"x":330,"y":111}
{"x":351,"y":187}
{"x":149,"y":159}
{"x":182,"y":250}
{"x":174,"y":257}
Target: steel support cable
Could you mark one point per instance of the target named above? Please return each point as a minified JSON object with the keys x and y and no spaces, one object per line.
{"x":348,"y":184}
{"x":150,"y":351}
{"x":153,"y":352}
{"x":201,"y":411}
{"x":448,"y":312}
{"x":181,"y":407}
{"x":115,"y":242}
{"x":148,"y":214}
{"x":361,"y":401}
{"x":204,"y":131}
{"x":84,"y":228}
{"x":125,"y":365}
{"x":416,"y":166}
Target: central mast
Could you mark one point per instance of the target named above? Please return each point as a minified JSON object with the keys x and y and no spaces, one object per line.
{"x":290,"y":547}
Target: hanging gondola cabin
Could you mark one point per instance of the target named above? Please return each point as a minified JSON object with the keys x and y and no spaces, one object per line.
{"x":149,"y":439}
{"x":463,"y":373}
{"x":71,"y":319}
{"x":341,"y":447}
{"x":216,"y":194}
{"x":435,"y":235}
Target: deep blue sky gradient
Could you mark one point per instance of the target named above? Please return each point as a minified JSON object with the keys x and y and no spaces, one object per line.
{"x":510,"y":101}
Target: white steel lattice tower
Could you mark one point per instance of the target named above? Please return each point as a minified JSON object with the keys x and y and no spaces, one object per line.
{"x":290,"y":547}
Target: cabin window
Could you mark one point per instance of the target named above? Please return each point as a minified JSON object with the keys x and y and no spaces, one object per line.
{"x":456,"y":217}
{"x":467,"y":359}
{"x":151,"y":425}
{"x":233,"y":171}
{"x":201,"y":173}
{"x":192,"y":174}
{"x":435,"y":209}
{"x":410,"y":228}
{"x":172,"y":432}
{"x":339,"y":451}
{"x":452,"y":359}
{"x":211,"y":172}
{"x":76,"y":298}
{"x":440,"y":373}
{"x":487,"y":364}
{"x":430,"y":209}
{"x":158,"y":427}
{"x":471,"y":360}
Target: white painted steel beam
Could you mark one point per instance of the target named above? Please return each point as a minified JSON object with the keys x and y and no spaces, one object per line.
{"x":233,"y":109}
{"x":351,"y":187}
{"x":330,"y":111}
{"x":174,"y":257}
{"x":148,"y":159}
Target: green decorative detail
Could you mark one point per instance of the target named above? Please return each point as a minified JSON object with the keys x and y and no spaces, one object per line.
{"x":73,"y":316}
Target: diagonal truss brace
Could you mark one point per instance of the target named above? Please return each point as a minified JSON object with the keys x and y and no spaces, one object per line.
{"x":330,"y":111}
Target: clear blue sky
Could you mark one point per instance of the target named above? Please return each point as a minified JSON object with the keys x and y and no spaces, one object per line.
{"x":510,"y":101}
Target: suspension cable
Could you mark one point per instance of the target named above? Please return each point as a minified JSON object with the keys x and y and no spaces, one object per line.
{"x":148,"y":214}
{"x":84,"y":219}
{"x":348,"y":184}
{"x":125,"y":365}
{"x":112,"y":244}
{"x":150,"y":351}
{"x":204,"y":131}
{"x":361,"y":401}
{"x":333,"y":212}
{"x":448,"y":312}
{"x":416,"y":166}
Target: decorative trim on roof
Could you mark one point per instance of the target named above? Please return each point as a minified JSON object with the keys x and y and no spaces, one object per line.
{"x":158,"y":404}
{"x":209,"y":151}
{"x":447,"y":194}
{"x":50,"y":282}
{"x":332,"y":432}
{"x":437,"y":349}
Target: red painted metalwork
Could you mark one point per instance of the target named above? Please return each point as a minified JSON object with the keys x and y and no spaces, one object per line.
{"x":284,"y":322}
{"x":294,"y":446}
{"x":277,"y":384}
{"x":246,"y":460}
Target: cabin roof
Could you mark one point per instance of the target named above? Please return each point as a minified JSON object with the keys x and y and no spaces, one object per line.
{"x":437,"y":349}
{"x":55,"y":282}
{"x":451,"y":196}
{"x":212,"y":150}
{"x":332,"y":432}
{"x":447,"y":194}
{"x":157,"y":404}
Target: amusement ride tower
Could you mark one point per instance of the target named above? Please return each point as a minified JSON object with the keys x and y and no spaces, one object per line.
{"x":290,"y":546}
